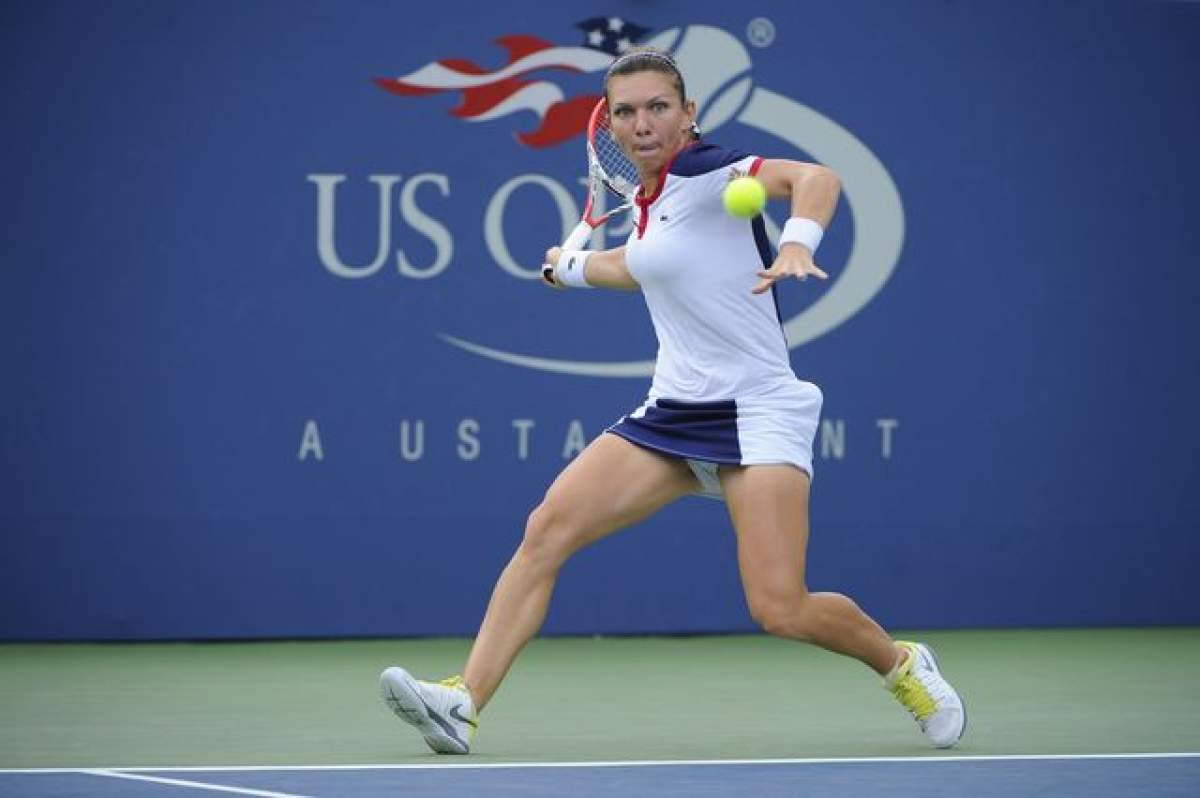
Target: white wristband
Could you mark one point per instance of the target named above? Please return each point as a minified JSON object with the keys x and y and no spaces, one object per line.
{"x":569,"y":270}
{"x":802,"y":231}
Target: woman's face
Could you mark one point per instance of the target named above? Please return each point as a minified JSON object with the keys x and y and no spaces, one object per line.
{"x":648,"y":118}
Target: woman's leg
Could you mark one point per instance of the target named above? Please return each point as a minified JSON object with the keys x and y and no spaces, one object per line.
{"x":769,"y":508}
{"x":610,"y":485}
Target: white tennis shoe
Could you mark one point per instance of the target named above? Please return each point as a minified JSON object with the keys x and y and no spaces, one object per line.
{"x":442,"y":711}
{"x":921,"y":688}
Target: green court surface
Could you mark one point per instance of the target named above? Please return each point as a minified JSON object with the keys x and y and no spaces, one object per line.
{"x":590,"y":699}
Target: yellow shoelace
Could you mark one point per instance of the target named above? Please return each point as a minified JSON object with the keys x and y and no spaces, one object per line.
{"x":912,"y":694}
{"x":454,"y":683}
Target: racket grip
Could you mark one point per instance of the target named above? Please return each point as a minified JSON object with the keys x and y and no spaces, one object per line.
{"x":578,"y":236}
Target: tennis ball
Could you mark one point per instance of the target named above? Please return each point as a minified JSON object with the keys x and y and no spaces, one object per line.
{"x":744,"y":197}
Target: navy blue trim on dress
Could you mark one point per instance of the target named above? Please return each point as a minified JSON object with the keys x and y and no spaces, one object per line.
{"x":695,"y":430}
{"x":766,"y":253}
{"x":701,"y":158}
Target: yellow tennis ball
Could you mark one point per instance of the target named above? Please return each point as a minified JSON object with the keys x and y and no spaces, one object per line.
{"x":744,"y":197}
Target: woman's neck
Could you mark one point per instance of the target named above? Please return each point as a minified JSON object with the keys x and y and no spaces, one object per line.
{"x":651,"y":181}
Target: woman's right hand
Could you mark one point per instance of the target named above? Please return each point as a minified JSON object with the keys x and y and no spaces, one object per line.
{"x":552,"y":256}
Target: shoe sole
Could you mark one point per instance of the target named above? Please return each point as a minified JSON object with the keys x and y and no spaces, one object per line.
{"x":402,"y":694}
{"x":933,"y":658}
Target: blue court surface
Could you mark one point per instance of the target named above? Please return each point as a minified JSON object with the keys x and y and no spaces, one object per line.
{"x":1100,"y":775}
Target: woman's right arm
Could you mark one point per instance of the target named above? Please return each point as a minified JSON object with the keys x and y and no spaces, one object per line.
{"x":603,"y":269}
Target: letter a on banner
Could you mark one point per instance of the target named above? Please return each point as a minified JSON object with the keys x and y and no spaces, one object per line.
{"x":576,"y":440}
{"x":310,"y":442}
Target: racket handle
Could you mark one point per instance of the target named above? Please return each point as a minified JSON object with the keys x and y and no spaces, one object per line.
{"x":578,"y":236}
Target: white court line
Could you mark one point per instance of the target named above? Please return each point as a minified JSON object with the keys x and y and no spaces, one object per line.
{"x":846,"y":760}
{"x":196,"y":785}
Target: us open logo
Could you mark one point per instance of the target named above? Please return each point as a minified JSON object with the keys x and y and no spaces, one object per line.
{"x":719,"y":73}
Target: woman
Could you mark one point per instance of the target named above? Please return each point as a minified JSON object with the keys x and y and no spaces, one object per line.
{"x":725,"y":414}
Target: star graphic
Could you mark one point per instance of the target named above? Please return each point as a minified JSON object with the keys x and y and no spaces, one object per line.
{"x":611,"y":35}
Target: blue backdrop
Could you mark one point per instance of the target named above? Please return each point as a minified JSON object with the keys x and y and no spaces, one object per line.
{"x":276,"y":363}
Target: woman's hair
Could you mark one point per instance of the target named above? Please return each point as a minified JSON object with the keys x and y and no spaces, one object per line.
{"x":650,"y":59}
{"x":647,"y":59}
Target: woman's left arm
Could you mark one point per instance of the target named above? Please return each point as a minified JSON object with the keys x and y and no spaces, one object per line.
{"x":813,"y":190}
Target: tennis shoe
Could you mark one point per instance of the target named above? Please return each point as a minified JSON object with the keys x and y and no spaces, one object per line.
{"x":443,"y":712}
{"x":918,"y":684}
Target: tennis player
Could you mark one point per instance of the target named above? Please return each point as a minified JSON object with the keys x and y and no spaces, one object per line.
{"x":725,"y":416}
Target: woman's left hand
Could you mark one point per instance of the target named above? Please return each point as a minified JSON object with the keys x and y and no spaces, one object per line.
{"x":794,"y":260}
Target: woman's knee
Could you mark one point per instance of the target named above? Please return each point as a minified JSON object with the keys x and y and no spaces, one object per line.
{"x":552,"y":533}
{"x":783,"y":613}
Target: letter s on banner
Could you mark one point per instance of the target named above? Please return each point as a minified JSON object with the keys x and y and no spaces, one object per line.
{"x":432,"y":229}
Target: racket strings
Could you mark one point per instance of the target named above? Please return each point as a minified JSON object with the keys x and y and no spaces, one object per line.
{"x":617,"y":172}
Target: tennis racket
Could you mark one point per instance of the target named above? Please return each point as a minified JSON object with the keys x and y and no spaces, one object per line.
{"x":608,"y":170}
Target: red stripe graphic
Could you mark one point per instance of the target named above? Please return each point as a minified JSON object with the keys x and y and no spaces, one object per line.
{"x":563,"y":120}
{"x":485,"y":98}
{"x":560,"y":120}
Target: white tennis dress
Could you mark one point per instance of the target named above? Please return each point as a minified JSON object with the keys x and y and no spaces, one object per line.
{"x":723,"y":389}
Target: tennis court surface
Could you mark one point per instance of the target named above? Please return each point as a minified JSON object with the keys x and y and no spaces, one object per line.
{"x":1071,"y":712}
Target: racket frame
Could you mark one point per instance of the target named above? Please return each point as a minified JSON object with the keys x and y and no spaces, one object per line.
{"x":598,"y":181}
